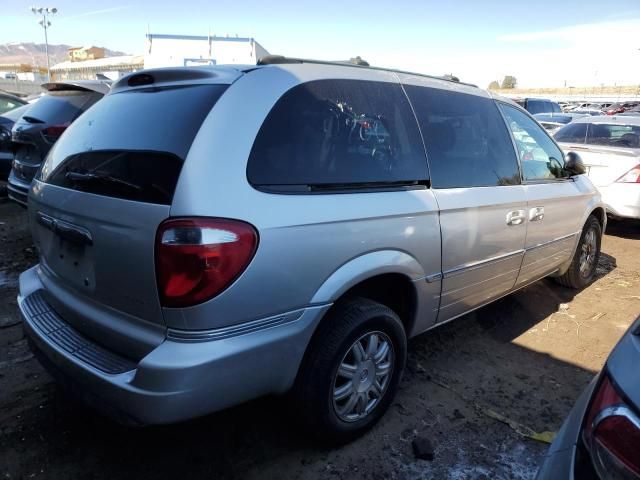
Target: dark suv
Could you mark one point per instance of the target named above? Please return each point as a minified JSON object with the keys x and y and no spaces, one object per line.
{"x":538,"y":105}
{"x":36,"y":132}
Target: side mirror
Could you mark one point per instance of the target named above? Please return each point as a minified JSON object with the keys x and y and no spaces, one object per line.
{"x":573,"y":164}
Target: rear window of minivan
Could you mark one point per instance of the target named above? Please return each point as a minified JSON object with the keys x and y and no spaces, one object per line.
{"x":334,"y":134}
{"x":132,"y":144}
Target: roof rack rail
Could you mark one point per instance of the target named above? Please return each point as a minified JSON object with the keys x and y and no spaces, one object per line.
{"x":281,"y":59}
{"x":357,"y":62}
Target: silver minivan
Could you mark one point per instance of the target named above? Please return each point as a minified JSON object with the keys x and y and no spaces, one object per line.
{"x":212,"y":235}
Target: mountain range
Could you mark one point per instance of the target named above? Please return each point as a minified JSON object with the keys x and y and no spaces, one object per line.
{"x":30,"y":53}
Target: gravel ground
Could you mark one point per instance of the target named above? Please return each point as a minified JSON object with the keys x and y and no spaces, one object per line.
{"x":524,"y":359}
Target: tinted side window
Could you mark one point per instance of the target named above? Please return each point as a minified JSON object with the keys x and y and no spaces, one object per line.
{"x":467,"y":142}
{"x":332,"y":133}
{"x":7,"y":104}
{"x":541,"y":159}
{"x":626,"y":136}
{"x":572,"y":133}
{"x":556,"y":108}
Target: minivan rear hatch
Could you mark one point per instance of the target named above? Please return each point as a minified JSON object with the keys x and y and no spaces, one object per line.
{"x":105,"y":187}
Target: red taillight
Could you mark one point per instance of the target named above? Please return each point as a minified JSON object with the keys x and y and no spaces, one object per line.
{"x":612,"y":434}
{"x":53,"y":132}
{"x":197,"y":258}
{"x":632,"y":176}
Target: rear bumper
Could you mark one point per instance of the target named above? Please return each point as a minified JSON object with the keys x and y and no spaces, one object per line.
{"x":622,"y":199}
{"x":177,"y":380}
{"x":561,"y":461}
{"x":17,"y":189}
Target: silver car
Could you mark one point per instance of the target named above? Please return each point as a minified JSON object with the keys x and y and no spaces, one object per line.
{"x":212,"y":235}
{"x":610,"y":149}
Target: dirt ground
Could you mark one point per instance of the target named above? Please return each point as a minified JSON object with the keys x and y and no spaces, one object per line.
{"x":525,"y":358}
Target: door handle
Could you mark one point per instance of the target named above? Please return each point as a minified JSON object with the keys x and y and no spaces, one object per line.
{"x":515,"y":217}
{"x":536,"y":214}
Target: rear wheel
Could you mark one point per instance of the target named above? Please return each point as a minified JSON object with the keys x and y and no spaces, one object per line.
{"x":582,"y":270}
{"x":351,"y":371}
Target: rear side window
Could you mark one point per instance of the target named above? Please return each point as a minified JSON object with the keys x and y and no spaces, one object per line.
{"x":8,"y":104}
{"x":131,"y":144}
{"x":626,"y":136}
{"x":468,"y":144}
{"x":59,"y":108}
{"x":334,"y":134}
{"x":572,"y":133}
{"x":535,"y":106}
{"x":555,"y":107}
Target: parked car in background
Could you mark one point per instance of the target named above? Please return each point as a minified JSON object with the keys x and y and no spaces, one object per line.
{"x":600,"y":106}
{"x":600,"y":439}
{"x":8,"y":102}
{"x":554,"y":121}
{"x":373,"y":174}
{"x":633,"y":112}
{"x":36,"y":132}
{"x":620,"y":107}
{"x":588,"y":111}
{"x":610,"y":150}
{"x":538,"y":105}
{"x":7,"y":120}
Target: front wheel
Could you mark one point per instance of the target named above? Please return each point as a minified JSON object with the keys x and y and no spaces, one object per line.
{"x":582,"y":270}
{"x":351,"y":371}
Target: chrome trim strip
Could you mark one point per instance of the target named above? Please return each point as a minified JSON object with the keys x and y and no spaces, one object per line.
{"x":544,"y":244}
{"x":233,"y":330}
{"x":616,"y":411}
{"x":433,"y":277}
{"x":480,"y":263}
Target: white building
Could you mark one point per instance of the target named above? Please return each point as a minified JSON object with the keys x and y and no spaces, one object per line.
{"x":187,"y":50}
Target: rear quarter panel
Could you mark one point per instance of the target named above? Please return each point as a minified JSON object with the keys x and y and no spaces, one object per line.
{"x":304,"y":239}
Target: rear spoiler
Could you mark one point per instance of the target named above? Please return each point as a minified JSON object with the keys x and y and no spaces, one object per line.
{"x":82,"y":85}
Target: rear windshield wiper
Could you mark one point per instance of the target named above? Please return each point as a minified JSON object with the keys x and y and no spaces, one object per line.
{"x":30,"y":119}
{"x":80,"y":177}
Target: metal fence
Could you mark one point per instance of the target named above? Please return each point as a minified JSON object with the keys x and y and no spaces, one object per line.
{"x":20,"y":86}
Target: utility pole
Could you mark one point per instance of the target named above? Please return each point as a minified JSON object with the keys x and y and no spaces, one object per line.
{"x":44,"y":12}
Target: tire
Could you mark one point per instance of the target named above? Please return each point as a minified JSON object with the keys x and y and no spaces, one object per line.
{"x":575,"y":277}
{"x":323,"y":397}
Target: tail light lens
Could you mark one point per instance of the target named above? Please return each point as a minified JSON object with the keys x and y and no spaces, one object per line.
{"x":612,"y":434}
{"x":197,"y":258}
{"x":52,"y":133}
{"x":632,"y":176}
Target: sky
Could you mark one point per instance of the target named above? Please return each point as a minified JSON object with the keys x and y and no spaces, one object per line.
{"x":541,"y":42}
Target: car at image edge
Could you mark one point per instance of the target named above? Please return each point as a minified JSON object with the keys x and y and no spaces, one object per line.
{"x":7,"y":120}
{"x":36,"y":131}
{"x":290,"y":236}
{"x":600,"y":439}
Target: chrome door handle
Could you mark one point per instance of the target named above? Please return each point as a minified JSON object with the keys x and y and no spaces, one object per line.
{"x":515,"y":217}
{"x":536,"y":214}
